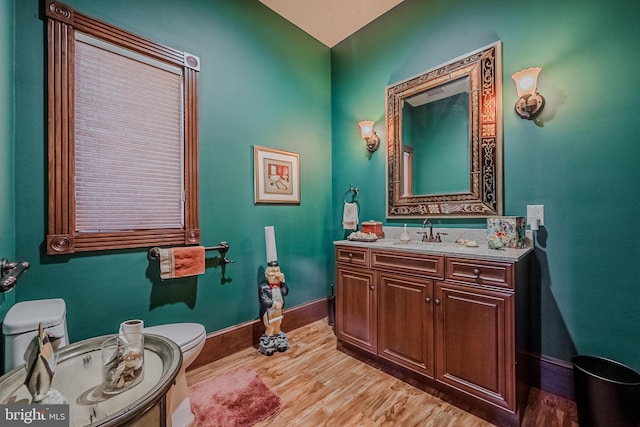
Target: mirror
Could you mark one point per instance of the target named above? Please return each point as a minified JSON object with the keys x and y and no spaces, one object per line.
{"x":444,"y":129}
{"x":435,"y":136}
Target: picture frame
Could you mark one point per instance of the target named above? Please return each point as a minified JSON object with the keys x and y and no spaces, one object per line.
{"x":276,"y":175}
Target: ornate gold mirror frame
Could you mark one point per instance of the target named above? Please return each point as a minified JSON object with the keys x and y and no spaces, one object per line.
{"x":483,"y":70}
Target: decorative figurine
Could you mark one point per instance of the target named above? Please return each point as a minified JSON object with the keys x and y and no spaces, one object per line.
{"x":40,"y":364}
{"x":271,"y":297}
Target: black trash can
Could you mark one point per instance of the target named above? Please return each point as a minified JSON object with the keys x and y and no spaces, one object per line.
{"x":607,"y":393}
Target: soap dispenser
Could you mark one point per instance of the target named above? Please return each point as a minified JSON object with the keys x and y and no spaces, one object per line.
{"x":404,"y":237}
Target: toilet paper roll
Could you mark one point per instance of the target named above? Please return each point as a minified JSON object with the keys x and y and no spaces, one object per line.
{"x":131,"y":331}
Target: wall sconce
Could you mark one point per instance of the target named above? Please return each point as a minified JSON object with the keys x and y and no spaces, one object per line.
{"x":530,"y":102}
{"x":369,"y":135}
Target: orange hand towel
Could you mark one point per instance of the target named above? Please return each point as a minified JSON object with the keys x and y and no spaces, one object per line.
{"x":181,"y":262}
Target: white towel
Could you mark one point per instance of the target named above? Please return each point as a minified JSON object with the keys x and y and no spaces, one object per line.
{"x":350,"y":216}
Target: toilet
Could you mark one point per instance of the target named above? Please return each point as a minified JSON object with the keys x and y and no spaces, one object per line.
{"x":20,"y":325}
{"x":190,"y":337}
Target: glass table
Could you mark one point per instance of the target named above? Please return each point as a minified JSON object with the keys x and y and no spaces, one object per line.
{"x":78,"y":377}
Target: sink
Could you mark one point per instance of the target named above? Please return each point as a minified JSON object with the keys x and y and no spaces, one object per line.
{"x":433,"y":245}
{"x":421,"y":243}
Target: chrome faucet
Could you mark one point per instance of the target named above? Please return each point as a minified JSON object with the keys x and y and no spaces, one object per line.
{"x":430,"y":237}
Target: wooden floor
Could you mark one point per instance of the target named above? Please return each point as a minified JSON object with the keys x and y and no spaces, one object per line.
{"x":320,"y":386}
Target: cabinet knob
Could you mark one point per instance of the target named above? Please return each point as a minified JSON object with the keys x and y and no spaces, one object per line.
{"x":437,"y":301}
{"x":427,"y":300}
{"x":476,"y":272}
{"x":372,"y":287}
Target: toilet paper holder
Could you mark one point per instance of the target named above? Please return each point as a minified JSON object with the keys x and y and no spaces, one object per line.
{"x":9,"y":272}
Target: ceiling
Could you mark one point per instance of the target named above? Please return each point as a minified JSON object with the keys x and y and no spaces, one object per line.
{"x":330,"y":21}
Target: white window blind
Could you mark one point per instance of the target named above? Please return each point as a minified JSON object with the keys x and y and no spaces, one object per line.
{"x":129,"y":143}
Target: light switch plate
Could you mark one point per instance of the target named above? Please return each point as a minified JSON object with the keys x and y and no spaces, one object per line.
{"x":535,"y":216}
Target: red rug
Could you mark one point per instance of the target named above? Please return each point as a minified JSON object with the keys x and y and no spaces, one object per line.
{"x":235,"y":399}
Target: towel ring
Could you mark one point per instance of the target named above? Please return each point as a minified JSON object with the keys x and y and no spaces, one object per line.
{"x":353,"y":190}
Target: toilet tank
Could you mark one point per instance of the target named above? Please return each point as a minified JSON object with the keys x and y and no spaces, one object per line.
{"x":20,"y":326}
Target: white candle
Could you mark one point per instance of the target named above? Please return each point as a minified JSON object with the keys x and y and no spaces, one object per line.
{"x":270,"y":241}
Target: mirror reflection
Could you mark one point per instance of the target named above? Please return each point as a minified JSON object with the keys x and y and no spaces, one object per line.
{"x":444,"y":156}
{"x":435,"y":136}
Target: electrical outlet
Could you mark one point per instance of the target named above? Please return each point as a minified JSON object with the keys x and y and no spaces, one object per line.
{"x":535,"y":216}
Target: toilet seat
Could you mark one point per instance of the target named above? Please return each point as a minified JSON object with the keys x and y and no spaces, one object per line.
{"x":186,"y":335}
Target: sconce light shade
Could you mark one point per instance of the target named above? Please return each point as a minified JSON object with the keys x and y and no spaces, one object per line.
{"x":366,"y":128}
{"x":369,"y":135}
{"x":526,"y":81}
{"x":530,"y":102}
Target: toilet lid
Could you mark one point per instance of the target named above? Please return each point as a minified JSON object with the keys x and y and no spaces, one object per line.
{"x":25,"y":316}
{"x":186,"y":335}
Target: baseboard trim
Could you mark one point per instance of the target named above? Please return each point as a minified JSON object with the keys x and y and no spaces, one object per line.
{"x":228,"y":341}
{"x":552,"y":375}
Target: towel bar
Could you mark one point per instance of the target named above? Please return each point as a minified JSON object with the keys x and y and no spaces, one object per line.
{"x":223,"y":247}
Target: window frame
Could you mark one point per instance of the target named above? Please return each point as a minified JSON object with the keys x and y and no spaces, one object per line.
{"x":62,"y":236}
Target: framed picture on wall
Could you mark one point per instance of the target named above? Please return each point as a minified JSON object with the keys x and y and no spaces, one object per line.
{"x":276,"y":175}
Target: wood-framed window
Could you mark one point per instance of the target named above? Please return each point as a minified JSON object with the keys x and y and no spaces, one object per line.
{"x":122,"y":138}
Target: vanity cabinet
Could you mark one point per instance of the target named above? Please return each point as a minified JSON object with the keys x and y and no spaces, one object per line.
{"x":444,"y":322}
{"x":405,"y":322}
{"x":356,"y":308}
{"x":474,"y":342}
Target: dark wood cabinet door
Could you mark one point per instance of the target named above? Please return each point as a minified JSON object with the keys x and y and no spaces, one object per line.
{"x":356,"y":307}
{"x":405,"y":321}
{"x":475,"y":341}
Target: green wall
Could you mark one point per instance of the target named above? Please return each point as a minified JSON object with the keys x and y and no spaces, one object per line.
{"x":7,"y":224}
{"x":262,"y":82}
{"x":265,"y":82}
{"x":580,"y":160}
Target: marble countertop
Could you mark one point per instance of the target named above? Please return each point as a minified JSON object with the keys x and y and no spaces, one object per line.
{"x":446,"y":247}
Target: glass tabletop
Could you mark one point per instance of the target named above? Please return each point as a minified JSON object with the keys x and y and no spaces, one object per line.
{"x":78,"y":378}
